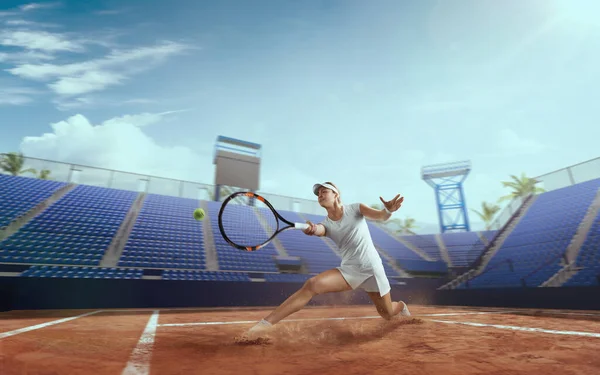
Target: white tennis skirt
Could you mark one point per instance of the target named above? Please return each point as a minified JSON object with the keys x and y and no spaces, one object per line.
{"x":370,"y":278}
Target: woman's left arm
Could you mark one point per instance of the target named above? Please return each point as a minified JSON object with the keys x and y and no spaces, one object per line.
{"x":385,"y":213}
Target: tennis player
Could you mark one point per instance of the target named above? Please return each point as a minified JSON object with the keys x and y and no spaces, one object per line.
{"x":361,"y":265}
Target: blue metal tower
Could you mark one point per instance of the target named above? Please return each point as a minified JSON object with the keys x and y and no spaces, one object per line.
{"x":446,"y":180}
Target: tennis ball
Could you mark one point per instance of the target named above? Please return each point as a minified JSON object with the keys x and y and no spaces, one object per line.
{"x":198,"y":214}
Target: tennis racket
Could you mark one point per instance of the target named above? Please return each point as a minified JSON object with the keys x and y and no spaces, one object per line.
{"x":248,"y":221}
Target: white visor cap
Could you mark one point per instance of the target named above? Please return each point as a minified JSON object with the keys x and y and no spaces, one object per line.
{"x":325,"y":185}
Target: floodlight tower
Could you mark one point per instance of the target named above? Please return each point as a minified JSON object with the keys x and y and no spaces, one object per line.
{"x":237,"y":164}
{"x":446,"y":180}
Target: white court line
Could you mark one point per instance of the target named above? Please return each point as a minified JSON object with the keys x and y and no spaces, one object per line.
{"x":43,"y":325}
{"x":139,"y":362}
{"x":517,"y":328}
{"x":208,"y":309}
{"x":313,"y":319}
{"x":568,"y":313}
{"x":469,"y":313}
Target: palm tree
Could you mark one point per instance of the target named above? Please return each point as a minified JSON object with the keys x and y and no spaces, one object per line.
{"x":44,"y":174}
{"x":402,"y":226}
{"x":522,"y":187}
{"x":488,"y":211}
{"x":407,"y":226}
{"x":13,"y":162}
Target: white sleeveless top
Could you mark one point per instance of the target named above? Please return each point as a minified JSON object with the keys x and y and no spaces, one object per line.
{"x":353,"y":238}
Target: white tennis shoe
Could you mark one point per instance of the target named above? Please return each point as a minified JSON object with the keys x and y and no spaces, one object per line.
{"x":405,"y":311}
{"x":257,"y":331}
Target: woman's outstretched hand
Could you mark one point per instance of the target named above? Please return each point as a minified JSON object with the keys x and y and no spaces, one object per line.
{"x":394,"y":204}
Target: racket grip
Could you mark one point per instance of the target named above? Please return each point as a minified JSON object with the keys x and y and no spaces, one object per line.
{"x":302,"y":226}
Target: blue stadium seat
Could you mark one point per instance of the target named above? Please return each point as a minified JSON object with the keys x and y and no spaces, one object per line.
{"x":205,"y":275}
{"x":18,"y":195}
{"x":463,"y":247}
{"x":82,"y":272}
{"x":427,"y":243}
{"x":537,"y":244}
{"x":392,"y":246}
{"x":76,"y":230}
{"x":287,"y":277}
{"x":588,"y":258}
{"x":316,"y":255}
{"x":231,"y":259}
{"x":423,"y":265}
{"x":69,"y":239}
{"x":489,"y":234}
{"x":165,"y":235}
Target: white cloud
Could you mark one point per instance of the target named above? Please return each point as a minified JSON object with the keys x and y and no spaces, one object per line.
{"x":117,"y":59}
{"x":86,"y":82}
{"x":35,"y":53}
{"x":109,"y":12}
{"x":28,"y":8}
{"x":35,"y":6}
{"x":511,"y":143}
{"x":138,"y":101}
{"x":38,"y":40}
{"x":71,"y":103}
{"x":21,"y":22}
{"x":16,"y":95}
{"x":98,"y":74}
{"x":24,"y":57}
{"x":118,"y":143}
{"x":142,"y":119}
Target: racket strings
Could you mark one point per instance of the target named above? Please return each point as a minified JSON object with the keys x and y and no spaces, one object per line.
{"x":248,"y":221}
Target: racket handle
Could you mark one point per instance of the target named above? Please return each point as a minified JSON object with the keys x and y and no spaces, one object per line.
{"x":302,"y":226}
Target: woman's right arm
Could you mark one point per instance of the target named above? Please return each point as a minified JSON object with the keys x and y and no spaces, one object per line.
{"x":315,"y":230}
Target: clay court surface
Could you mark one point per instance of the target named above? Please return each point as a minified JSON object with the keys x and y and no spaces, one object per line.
{"x":319,"y":340}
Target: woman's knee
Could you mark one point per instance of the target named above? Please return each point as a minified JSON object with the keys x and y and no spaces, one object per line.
{"x":313,"y":285}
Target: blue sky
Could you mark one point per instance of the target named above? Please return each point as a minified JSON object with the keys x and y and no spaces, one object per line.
{"x":360,"y":93}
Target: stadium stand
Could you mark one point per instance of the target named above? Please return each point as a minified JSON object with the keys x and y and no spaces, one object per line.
{"x":423,"y":266}
{"x":392,"y":246}
{"x":76,"y":230}
{"x":316,"y":255}
{"x":286,"y":277}
{"x":165,"y":235}
{"x":21,"y":194}
{"x":232,"y":259}
{"x":534,"y":250}
{"x":83,"y":272}
{"x":70,"y":237}
{"x":588,"y":259}
{"x":489,"y":234}
{"x":462,"y":247}
{"x":204,"y":275}
{"x":427,"y":243}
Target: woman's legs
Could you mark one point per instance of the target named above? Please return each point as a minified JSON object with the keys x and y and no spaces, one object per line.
{"x":325,"y":282}
{"x":386,"y":307}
